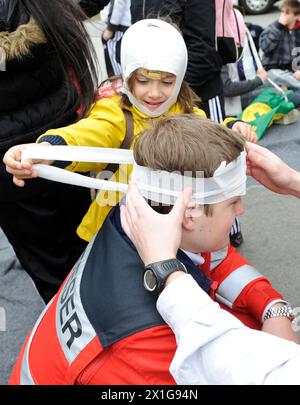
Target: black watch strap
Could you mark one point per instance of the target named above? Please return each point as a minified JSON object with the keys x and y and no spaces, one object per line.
{"x":156,"y":274}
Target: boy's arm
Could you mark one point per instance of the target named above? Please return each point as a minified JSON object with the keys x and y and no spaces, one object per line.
{"x":271,"y":37}
{"x":234,"y":88}
{"x":242,"y":288}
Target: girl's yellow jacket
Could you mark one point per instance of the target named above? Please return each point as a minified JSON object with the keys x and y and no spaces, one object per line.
{"x":105,"y":127}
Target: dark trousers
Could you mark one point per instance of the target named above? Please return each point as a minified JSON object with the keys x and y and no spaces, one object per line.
{"x":40,"y":222}
{"x":112,"y":54}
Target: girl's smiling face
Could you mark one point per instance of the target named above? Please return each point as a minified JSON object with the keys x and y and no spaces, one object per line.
{"x":152,"y":88}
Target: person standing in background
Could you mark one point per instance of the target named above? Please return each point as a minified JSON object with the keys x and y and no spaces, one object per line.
{"x":43,"y":44}
{"x":279,"y":41}
{"x":47,"y":60}
{"x":118,"y":18}
{"x":119,"y":15}
{"x":196,"y":19}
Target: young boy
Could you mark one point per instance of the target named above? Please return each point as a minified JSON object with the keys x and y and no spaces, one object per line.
{"x":278,"y":41}
{"x":103,"y":327}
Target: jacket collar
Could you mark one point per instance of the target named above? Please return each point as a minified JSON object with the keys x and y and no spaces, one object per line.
{"x":17,"y":44}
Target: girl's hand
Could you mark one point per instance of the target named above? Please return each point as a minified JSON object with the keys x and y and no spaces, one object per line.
{"x":246,"y":131}
{"x":22,"y":169}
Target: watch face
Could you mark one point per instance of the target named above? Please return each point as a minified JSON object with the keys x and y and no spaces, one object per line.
{"x":150,"y":281}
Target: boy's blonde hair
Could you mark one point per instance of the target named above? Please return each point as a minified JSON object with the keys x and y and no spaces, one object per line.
{"x":187,"y":142}
{"x":292,"y":5}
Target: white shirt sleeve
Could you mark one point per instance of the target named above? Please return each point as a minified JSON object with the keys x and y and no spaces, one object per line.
{"x":214,"y":347}
{"x":117,"y":12}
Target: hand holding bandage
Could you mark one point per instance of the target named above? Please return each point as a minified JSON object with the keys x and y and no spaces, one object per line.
{"x":22,"y":168}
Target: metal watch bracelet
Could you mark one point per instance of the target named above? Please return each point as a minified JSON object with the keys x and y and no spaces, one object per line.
{"x":284,"y":311}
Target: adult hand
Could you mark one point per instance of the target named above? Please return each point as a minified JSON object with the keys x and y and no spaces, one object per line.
{"x":269,"y":170}
{"x":156,"y":236}
{"x":246,"y":131}
{"x":22,"y":169}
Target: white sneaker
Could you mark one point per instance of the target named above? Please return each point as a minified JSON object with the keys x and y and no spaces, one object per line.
{"x":288,"y":118}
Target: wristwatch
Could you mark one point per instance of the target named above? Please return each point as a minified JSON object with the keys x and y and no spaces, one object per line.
{"x":284,"y":310}
{"x":156,"y":274}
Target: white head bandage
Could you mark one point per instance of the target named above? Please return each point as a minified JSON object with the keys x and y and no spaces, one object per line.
{"x":160,"y":186}
{"x":153,"y":45}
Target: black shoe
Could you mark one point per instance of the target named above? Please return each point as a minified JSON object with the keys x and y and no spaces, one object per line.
{"x":236,"y":239}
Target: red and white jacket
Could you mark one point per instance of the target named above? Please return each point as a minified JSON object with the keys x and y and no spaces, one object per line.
{"x":238,"y":287}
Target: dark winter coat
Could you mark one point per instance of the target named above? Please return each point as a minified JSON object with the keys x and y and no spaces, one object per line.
{"x":40,"y":219}
{"x":141,"y":9}
{"x":196,"y":20}
{"x":278,"y":44}
{"x":35,"y":96}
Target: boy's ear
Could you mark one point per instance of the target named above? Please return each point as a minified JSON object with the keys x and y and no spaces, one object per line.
{"x":188,"y":222}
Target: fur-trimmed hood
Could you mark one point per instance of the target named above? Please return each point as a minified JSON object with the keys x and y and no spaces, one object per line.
{"x":17,"y":44}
